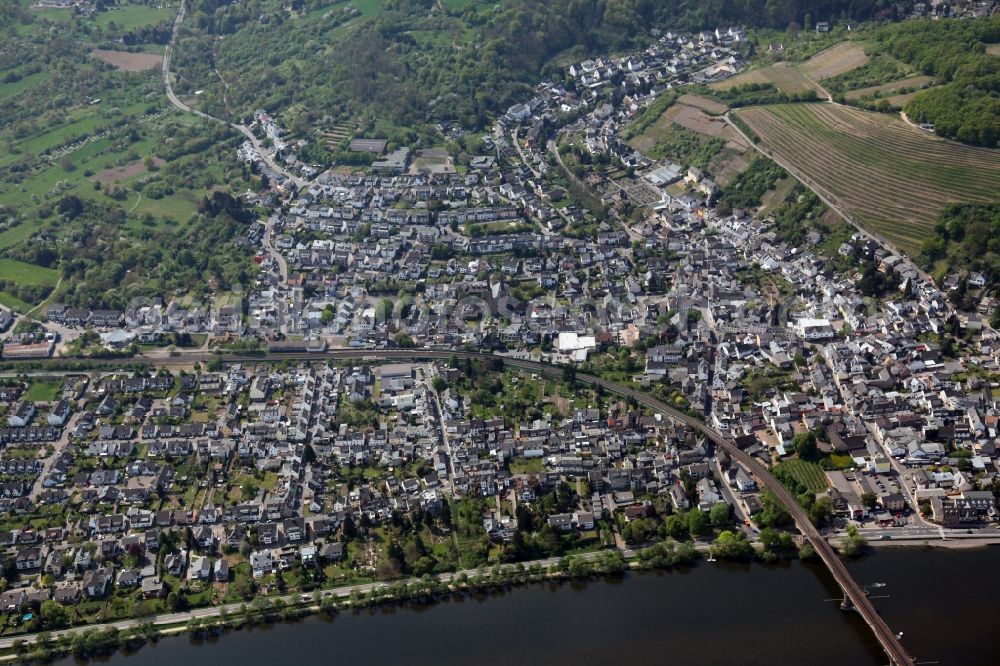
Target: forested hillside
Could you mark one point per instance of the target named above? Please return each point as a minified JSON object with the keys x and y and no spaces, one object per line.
{"x":967,"y":107}
{"x":99,"y":177}
{"x":967,"y":236}
{"x":411,"y":63}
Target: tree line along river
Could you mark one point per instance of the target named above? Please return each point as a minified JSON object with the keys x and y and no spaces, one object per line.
{"x":714,"y":613}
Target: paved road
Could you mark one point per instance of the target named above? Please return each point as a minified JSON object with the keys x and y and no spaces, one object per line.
{"x":979,"y":536}
{"x":520,"y":153}
{"x":742,"y":519}
{"x":298,"y":599}
{"x":266,"y":156}
{"x":852,"y":591}
{"x":445,"y":441}
{"x":242,"y":129}
{"x":909,"y":489}
{"x":561,"y":212}
{"x":15,"y":319}
{"x":167,"y":53}
{"x":58,"y":447}
{"x":273,"y":251}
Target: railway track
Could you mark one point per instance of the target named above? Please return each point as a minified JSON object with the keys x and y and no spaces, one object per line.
{"x":854,"y":596}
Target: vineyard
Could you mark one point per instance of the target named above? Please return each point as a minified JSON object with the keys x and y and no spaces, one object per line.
{"x":891,"y":177}
{"x":835,"y":60}
{"x":809,"y":474}
{"x":782,"y":76}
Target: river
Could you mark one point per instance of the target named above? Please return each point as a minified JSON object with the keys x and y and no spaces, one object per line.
{"x":715,"y":613}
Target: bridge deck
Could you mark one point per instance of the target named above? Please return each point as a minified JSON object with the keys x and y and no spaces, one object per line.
{"x":853,"y":592}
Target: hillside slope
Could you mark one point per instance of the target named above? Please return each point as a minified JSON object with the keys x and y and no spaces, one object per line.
{"x":893,"y":178}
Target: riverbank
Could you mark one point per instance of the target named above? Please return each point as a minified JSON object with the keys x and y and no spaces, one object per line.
{"x":106,"y":638}
{"x":103,"y":639}
{"x":697,"y":615}
{"x":739,"y":602}
{"x":968,"y":543}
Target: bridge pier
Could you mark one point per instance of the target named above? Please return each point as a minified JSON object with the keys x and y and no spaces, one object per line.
{"x":854,"y":595}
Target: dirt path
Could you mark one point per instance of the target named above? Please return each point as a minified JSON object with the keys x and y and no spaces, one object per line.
{"x":242,"y":129}
{"x":554,"y":149}
{"x":55,"y":290}
{"x":829,"y":97}
{"x":906,"y":119}
{"x":828,"y":199}
{"x":167,"y":53}
{"x":225,"y":91}
{"x":136,"y":204}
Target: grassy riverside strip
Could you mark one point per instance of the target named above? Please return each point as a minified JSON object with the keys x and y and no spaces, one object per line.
{"x":727,"y":546}
{"x":87,"y":642}
{"x":97,"y":640}
{"x":44,"y":647}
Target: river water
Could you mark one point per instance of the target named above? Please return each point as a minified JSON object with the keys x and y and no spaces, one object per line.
{"x":715,"y":613}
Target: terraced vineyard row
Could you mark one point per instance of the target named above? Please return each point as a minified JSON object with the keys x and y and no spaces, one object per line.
{"x":889,"y":176}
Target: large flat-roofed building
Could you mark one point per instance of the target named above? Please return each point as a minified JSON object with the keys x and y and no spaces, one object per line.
{"x":36,"y":350}
{"x":814,"y":329}
{"x":373,"y":146}
{"x":665,"y":175}
{"x":394,"y":162}
{"x":393,"y":370}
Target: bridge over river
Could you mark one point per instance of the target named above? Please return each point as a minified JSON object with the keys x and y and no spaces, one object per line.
{"x":854,"y":596}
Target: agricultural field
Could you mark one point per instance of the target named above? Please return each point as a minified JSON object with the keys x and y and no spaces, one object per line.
{"x":696,"y":120}
{"x":775,"y":197}
{"x":90,"y":141}
{"x":781,"y":75}
{"x":98,"y":149}
{"x":689,"y":112}
{"x":22,"y":273}
{"x":728,"y":164}
{"x":758,"y":75}
{"x":883,"y":172}
{"x":835,"y":60}
{"x":75,"y":117}
{"x":126,"y":61}
{"x":13,"y":303}
{"x":118,"y":174}
{"x":129,"y":17}
{"x":645,"y":141}
{"x":120,"y":17}
{"x":899,"y":101}
{"x":707,"y":105}
{"x":14,"y":88}
{"x":809,"y":474}
{"x":366,"y":7}
{"x":18,"y":279}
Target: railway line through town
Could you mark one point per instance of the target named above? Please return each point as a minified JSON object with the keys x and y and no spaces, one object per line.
{"x":855,"y":597}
